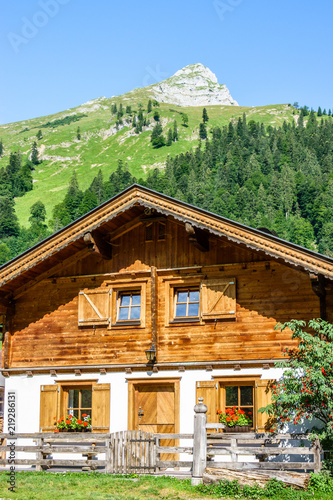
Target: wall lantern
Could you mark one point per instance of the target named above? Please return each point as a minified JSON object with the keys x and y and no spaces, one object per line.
{"x":151,"y":354}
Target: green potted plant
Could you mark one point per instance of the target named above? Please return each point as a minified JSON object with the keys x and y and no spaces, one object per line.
{"x":236,"y":420}
{"x":73,"y":424}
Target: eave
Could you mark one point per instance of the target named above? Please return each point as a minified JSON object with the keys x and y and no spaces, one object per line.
{"x":70,"y":240}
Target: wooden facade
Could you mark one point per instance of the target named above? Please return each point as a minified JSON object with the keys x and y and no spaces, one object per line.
{"x":145,"y":270}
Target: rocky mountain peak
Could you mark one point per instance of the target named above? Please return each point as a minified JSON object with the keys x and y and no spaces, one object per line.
{"x":194,"y":85}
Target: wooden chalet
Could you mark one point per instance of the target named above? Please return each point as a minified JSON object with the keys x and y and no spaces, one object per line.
{"x":146,"y":275}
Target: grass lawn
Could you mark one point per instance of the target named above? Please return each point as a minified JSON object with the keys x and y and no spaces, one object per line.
{"x":77,"y":486}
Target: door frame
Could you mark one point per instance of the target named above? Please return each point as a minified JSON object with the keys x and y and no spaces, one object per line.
{"x":132,"y":383}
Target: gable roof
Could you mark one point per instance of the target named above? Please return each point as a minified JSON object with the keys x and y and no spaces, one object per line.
{"x":121,"y":209}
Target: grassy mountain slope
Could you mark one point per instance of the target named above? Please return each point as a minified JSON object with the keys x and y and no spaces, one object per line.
{"x":102,"y":145}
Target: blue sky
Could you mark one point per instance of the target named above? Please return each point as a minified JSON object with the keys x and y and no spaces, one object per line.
{"x":57,"y":54}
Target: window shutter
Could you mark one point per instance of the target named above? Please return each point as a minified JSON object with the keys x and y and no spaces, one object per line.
{"x":219,"y":298}
{"x":100,"y":407}
{"x":262,"y":398}
{"x":94,"y":307}
{"x":48,"y":407}
{"x":208,"y":391}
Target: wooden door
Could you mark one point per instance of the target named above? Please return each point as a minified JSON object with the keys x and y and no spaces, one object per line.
{"x":155,"y":411}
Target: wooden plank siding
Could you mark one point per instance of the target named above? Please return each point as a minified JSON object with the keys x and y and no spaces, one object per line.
{"x":45,"y":330}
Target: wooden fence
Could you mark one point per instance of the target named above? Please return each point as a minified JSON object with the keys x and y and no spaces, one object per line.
{"x":141,"y":452}
{"x":238,"y":448}
{"x":132,"y":451}
{"x":45,"y":445}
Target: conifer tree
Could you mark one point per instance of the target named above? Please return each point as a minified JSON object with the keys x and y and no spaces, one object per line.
{"x":8,"y":220}
{"x":205,"y":117}
{"x":121,"y":111}
{"x":157,"y":138}
{"x":119,"y":118}
{"x":170,"y":137}
{"x":319,"y":112}
{"x":175,"y":132}
{"x":202,"y":131}
{"x":78,"y":134}
{"x":128,"y":110}
{"x":150,"y":106}
{"x":97,"y":187}
{"x":1,"y":148}
{"x":156,"y":116}
{"x":34,"y":153}
{"x":138,"y":127}
{"x":39,"y":135}
{"x":114,"y":109}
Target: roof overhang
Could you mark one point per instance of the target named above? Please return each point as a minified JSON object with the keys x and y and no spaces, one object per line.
{"x":70,"y":240}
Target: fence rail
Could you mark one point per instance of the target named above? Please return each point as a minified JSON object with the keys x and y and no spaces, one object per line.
{"x":89,"y":445}
{"x":142,"y":452}
{"x":263,"y":448}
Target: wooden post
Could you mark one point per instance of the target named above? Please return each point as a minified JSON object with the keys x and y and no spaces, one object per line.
{"x":316,"y":456}
{"x":39,"y":455}
{"x":199,"y":442}
{"x":108,"y":455}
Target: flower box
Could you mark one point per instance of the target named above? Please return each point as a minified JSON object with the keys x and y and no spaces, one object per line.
{"x":238,"y":428}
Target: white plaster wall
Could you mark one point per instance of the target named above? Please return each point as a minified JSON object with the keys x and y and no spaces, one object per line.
{"x":28,"y":398}
{"x":28,"y":393}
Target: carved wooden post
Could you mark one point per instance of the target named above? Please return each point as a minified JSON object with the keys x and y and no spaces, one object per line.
{"x":199,"y":442}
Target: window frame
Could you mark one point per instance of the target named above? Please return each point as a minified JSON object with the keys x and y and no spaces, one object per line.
{"x":187,"y":317}
{"x":65,"y":399}
{"x":54,"y":403}
{"x":130,"y":293}
{"x":135,"y":287}
{"x":172,"y":285}
{"x":239,"y":381}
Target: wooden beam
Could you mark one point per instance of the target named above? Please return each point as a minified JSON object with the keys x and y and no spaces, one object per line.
{"x":125,"y":228}
{"x":58,"y":267}
{"x":153,"y":306}
{"x":318,"y":286}
{"x":198,"y":237}
{"x":96,"y":244}
{"x":5,"y":359}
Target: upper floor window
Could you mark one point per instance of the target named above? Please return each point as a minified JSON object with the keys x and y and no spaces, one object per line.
{"x":129,"y":306}
{"x":187,"y":303}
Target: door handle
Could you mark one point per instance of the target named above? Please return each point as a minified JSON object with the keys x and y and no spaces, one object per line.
{"x":140,"y":412}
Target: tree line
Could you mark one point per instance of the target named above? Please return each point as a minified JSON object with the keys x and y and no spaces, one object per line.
{"x":278,"y":178}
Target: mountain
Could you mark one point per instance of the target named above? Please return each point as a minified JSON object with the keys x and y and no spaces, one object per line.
{"x":194,"y":85}
{"x":104,"y":138}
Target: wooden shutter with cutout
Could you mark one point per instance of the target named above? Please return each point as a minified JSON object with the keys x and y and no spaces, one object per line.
{"x":94,"y":307}
{"x":263,"y":397}
{"x":49,"y":397}
{"x":219,"y":298}
{"x":100,"y":408}
{"x":208,"y":391}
